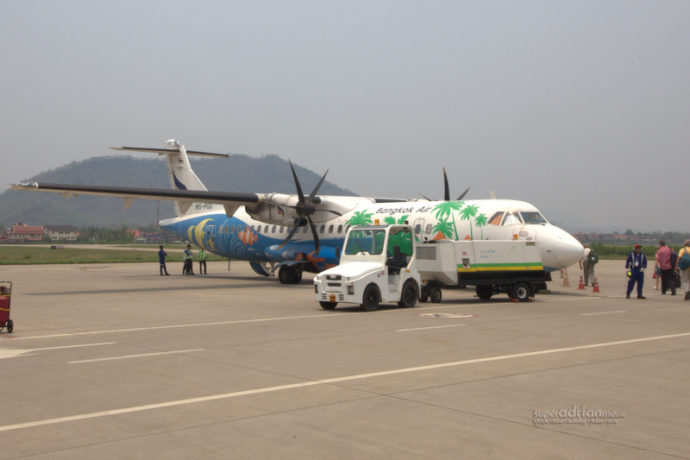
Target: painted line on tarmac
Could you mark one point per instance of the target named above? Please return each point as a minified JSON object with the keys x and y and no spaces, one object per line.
{"x":599,"y":313}
{"x":178,"y":326}
{"x":15,"y":352}
{"x":311,"y":383}
{"x":140,"y":355}
{"x":429,"y":327}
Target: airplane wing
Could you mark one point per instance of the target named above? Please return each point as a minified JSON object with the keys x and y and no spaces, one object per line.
{"x":230,"y":200}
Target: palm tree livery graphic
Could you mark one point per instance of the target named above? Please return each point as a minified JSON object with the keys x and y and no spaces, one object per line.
{"x":467,"y":213}
{"x":360,"y":218}
{"x":443,"y":211}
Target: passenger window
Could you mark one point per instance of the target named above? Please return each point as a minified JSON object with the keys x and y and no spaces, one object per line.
{"x":428,"y":228}
{"x":322,"y":229}
{"x":330,"y":229}
{"x":417,"y":229}
{"x":273,"y":229}
{"x":340,"y":229}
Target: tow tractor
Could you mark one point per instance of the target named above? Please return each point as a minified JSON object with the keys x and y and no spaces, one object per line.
{"x":384,"y":264}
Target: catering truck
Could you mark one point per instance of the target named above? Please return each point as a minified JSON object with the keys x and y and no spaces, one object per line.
{"x":384,"y":264}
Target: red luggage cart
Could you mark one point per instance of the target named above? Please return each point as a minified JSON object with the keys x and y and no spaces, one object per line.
{"x":5,"y":300}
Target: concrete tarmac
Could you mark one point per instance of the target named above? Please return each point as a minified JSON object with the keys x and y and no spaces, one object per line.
{"x":113,"y":361}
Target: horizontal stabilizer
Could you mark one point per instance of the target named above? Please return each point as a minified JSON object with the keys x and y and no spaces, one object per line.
{"x":166,"y":151}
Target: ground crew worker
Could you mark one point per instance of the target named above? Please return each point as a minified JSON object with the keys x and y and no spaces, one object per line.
{"x":635,"y":265}
{"x":187,"y":268}
{"x":202,"y":261}
{"x":161,"y":259}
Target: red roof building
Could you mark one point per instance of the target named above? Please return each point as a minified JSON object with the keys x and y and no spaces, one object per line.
{"x":22,"y":232}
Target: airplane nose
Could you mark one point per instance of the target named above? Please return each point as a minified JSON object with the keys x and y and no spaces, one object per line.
{"x":560,"y":249}
{"x":569,"y":249}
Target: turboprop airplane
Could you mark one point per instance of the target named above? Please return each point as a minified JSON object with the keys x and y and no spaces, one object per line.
{"x":293,"y":233}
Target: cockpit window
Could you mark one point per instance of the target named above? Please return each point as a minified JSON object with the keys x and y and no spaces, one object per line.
{"x":511,"y":219}
{"x":533,"y":218}
{"x":496,"y":218}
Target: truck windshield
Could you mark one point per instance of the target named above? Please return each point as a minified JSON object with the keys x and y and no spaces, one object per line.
{"x":365,"y":242}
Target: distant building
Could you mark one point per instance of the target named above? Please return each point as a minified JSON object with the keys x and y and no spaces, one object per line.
{"x":62,"y":232}
{"x":151,"y":237}
{"x":22,"y":232}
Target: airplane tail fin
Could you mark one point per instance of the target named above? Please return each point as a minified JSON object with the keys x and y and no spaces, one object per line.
{"x":182,"y":176}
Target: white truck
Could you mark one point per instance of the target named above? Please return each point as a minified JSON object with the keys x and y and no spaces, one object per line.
{"x":383,"y":264}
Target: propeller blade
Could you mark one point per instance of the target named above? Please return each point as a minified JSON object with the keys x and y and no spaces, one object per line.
{"x":297,"y":184}
{"x":290,"y":235}
{"x":446,"y":189}
{"x":316,"y":236}
{"x":463,"y":194}
{"x":316,"y":189}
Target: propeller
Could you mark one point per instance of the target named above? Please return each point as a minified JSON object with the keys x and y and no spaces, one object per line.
{"x":305,"y":207}
{"x":446,"y":190}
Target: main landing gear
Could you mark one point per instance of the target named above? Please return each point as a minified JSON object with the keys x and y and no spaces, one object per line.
{"x":289,"y":275}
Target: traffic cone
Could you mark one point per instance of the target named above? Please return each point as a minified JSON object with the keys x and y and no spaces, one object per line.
{"x":566,"y":283}
{"x":595,"y":285}
{"x":582,"y":283}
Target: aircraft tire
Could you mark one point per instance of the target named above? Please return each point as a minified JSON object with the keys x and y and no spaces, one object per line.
{"x":370,"y":298}
{"x":289,"y":275}
{"x":408,"y":296}
{"x":328,"y":305}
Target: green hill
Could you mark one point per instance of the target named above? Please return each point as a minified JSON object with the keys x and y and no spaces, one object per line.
{"x":239,"y":173}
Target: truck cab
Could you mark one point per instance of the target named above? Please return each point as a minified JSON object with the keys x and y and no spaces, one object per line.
{"x":376,"y":266}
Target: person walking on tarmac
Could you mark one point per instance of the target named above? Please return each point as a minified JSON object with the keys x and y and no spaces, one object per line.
{"x":665,"y":264}
{"x":635,"y":265}
{"x":683,"y":266}
{"x":187,"y":268}
{"x":587,"y":264}
{"x":161,"y":259}
{"x":202,"y":261}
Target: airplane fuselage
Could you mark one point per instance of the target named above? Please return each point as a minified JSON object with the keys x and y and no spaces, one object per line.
{"x":241,"y":237}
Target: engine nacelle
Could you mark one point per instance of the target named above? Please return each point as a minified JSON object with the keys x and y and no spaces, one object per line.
{"x":279,"y":209}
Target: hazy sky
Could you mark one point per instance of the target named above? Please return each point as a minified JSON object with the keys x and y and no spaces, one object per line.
{"x":579,"y":107}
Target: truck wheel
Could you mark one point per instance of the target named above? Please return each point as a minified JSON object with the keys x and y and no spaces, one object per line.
{"x":328,"y":305}
{"x":521,"y":291}
{"x":435,"y":294}
{"x":484,"y":292}
{"x":408,"y":296}
{"x":370,"y":298}
{"x":10,"y":326}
